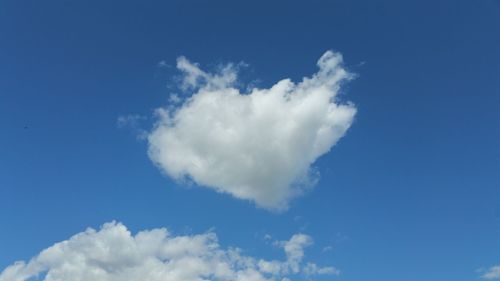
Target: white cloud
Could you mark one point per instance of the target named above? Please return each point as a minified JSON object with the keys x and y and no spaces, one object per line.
{"x":194,"y":76}
{"x":327,"y":248}
{"x":114,"y":254}
{"x":129,"y":120}
{"x":258,"y":146}
{"x":313,"y":269}
{"x":294,"y":250}
{"x":492,"y":273}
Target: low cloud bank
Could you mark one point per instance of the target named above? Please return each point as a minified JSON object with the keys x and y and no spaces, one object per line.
{"x":114,"y":254}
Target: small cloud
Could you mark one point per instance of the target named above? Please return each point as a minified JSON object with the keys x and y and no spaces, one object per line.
{"x":327,"y":249}
{"x":491,"y":273}
{"x":163,"y":63}
{"x":195,"y":78}
{"x":312,"y":269}
{"x":129,"y":120}
{"x":294,"y":249}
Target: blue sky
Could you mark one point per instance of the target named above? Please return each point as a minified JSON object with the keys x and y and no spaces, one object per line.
{"x":410,"y":192}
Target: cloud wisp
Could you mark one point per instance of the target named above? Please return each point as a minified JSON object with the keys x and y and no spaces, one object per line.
{"x":114,"y":254}
{"x":492,"y":273}
{"x":258,"y":145}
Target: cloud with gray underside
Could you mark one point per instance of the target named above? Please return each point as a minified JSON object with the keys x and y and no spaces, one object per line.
{"x":258,"y":145}
{"x":113,"y":253}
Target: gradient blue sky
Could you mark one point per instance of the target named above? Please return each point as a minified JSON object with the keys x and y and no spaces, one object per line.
{"x":412,"y":192}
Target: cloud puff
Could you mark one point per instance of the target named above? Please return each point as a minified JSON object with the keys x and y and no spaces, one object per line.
{"x":114,"y":254}
{"x":492,"y":273}
{"x":258,"y":145}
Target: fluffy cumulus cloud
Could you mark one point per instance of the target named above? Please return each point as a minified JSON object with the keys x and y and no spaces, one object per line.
{"x":257,"y":145}
{"x":114,"y":254}
{"x":492,"y":273}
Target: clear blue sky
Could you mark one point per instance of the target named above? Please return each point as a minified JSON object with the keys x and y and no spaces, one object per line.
{"x":411,"y":192}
